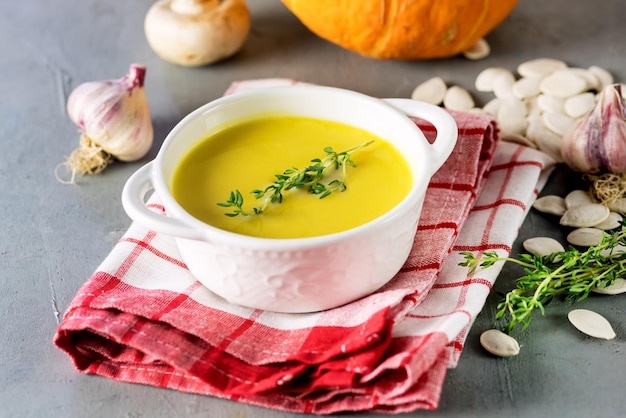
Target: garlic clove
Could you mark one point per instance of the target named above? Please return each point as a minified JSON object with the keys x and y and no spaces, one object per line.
{"x":598,"y":141}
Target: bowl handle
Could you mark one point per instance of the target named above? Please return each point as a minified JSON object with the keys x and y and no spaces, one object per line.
{"x":133,"y":201}
{"x":444,"y":123}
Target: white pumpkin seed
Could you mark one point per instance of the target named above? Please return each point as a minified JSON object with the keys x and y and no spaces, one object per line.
{"x":526,"y":87}
{"x":557,"y":122}
{"x":546,"y":140}
{"x":457,"y":98}
{"x":551,"y":204}
{"x":590,"y":78}
{"x":549,"y":103}
{"x":532,"y":107}
{"x":430,"y":91}
{"x":492,"y":106}
{"x":613,"y":221}
{"x":617,"y":287}
{"x":512,"y":116}
{"x":607,"y":252}
{"x":478,"y":51}
{"x":499,"y":344}
{"x":604,"y":77}
{"x":585,"y":237}
{"x":563,"y":84}
{"x":591,"y":323}
{"x":503,"y":85}
{"x":618,"y":206}
{"x":578,"y":198}
{"x":579,"y":105}
{"x":585,"y":215}
{"x":540,"y":67}
{"x":485,"y":79}
{"x":543,"y":246}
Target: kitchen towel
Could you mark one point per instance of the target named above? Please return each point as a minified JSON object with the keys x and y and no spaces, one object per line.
{"x":143,"y":318}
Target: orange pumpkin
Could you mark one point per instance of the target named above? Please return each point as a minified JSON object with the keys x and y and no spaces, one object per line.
{"x":402,"y":29}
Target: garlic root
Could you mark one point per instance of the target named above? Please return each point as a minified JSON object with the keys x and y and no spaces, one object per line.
{"x":114,"y":118}
{"x":197,"y":32}
{"x":608,"y":188}
{"x":88,"y":158}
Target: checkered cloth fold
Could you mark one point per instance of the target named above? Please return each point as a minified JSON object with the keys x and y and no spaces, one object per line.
{"x":143,"y":318}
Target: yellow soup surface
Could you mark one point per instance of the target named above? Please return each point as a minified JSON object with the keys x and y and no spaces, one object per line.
{"x":248,"y":155}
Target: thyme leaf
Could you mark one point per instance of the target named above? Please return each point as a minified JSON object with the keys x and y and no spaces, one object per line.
{"x":309,"y":179}
{"x":571,"y":274}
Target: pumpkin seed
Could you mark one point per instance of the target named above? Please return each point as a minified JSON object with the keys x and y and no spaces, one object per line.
{"x":430,"y":91}
{"x":540,"y":67}
{"x":585,"y":215}
{"x":578,"y":198}
{"x":503,"y":85}
{"x":557,"y":122}
{"x":526,"y":87}
{"x":618,"y":206}
{"x":591,"y":323}
{"x":590,"y":78}
{"x":512,"y":116}
{"x":613,"y":221}
{"x":563,"y":83}
{"x":551,"y":204}
{"x":499,"y":344}
{"x":457,"y":98}
{"x":550,"y":103}
{"x":478,"y":51}
{"x":615,"y":250}
{"x":485,"y":79}
{"x":579,"y":105}
{"x":546,"y":140}
{"x":604,"y":77}
{"x":585,"y":237}
{"x":542,"y":246}
{"x":618,"y":286}
{"x":492,"y":106}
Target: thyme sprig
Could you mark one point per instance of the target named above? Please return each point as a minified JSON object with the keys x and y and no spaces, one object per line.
{"x":309,"y":179}
{"x":571,"y":274}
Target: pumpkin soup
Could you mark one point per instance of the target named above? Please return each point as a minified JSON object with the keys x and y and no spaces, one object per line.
{"x":248,"y":156}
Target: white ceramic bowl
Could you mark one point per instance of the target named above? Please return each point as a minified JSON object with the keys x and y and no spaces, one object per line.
{"x":304,"y":274}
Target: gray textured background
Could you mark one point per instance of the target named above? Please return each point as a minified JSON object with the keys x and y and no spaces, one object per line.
{"x":53,"y":236}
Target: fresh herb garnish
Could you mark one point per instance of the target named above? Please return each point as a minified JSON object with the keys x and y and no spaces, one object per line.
{"x":572,"y":274}
{"x":309,"y":179}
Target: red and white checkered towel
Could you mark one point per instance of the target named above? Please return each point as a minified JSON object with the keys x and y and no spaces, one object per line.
{"x":143,"y":318}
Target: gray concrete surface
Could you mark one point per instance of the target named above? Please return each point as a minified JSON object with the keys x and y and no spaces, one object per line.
{"x":53,"y":236}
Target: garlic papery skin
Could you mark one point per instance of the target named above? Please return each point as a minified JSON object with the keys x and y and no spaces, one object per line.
{"x":197,"y":32}
{"x":597,"y":143}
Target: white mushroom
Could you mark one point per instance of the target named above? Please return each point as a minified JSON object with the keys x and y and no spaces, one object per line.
{"x":197,"y":32}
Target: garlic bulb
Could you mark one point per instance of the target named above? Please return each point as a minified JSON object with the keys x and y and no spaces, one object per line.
{"x":114,"y":118}
{"x":597,"y":143}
